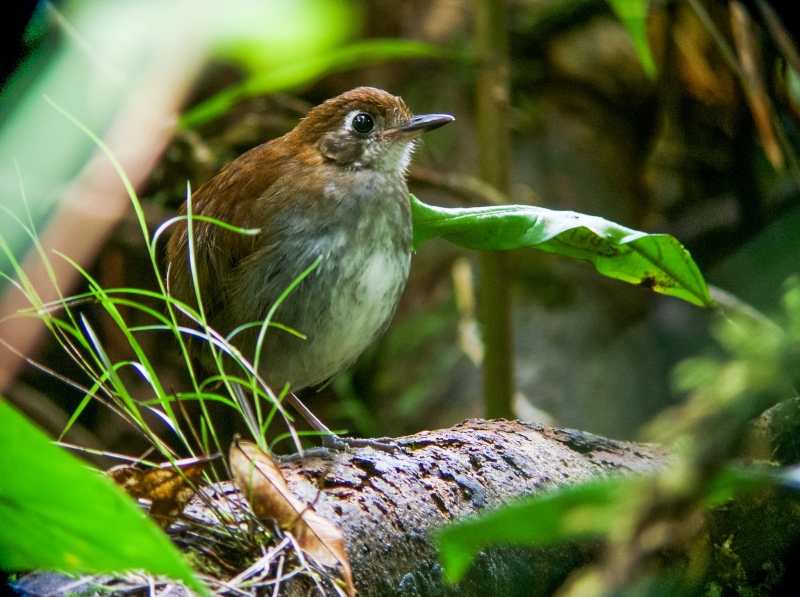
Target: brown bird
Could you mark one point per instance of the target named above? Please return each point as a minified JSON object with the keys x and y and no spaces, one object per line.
{"x":333,"y":189}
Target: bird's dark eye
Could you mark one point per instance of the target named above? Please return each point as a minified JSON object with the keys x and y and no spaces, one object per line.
{"x":363,"y":123}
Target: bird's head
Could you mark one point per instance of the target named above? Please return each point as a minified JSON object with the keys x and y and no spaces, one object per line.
{"x":365,"y":128}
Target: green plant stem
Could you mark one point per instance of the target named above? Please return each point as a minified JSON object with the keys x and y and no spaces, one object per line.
{"x":494,"y":158}
{"x":498,"y":361}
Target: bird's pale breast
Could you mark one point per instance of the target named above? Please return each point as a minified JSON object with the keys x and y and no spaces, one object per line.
{"x":349,"y":299}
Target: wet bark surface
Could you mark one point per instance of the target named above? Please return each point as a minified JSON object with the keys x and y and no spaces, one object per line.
{"x":387,"y":505}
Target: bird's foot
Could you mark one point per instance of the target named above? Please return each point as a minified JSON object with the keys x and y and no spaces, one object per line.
{"x":345,"y":444}
{"x":334,"y":443}
{"x":310,"y":453}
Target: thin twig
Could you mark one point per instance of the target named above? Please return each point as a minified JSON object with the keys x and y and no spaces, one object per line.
{"x":260,"y":563}
{"x":722,"y":45}
{"x":472,"y":190}
{"x":278,"y":573}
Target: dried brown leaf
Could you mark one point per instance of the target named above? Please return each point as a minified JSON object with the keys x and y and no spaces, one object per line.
{"x":263,"y":485}
{"x":780,"y":35}
{"x":745,"y":36}
{"x":168,"y":487}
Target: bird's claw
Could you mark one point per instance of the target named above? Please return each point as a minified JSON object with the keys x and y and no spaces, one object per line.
{"x":344,"y":444}
{"x":334,"y":443}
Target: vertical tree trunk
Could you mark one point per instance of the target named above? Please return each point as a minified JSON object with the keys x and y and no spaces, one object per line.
{"x":494,"y":153}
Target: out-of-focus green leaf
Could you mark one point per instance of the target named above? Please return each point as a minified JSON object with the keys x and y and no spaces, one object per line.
{"x":57,"y":514}
{"x":656,"y":261}
{"x":570,"y":513}
{"x":261,"y":34}
{"x":633,"y":14}
{"x":303,"y":71}
{"x":737,"y":480}
{"x":575,"y":512}
{"x":793,"y":85}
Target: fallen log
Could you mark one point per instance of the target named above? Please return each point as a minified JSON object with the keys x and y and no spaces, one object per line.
{"x":388,"y":504}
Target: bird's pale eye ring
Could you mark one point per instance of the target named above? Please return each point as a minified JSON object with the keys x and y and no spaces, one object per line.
{"x":362,"y":123}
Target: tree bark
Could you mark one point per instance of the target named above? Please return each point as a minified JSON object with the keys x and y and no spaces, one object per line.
{"x":387,"y":505}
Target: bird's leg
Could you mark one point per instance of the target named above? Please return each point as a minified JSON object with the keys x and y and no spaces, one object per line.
{"x":247,"y":411}
{"x":329,"y":439}
{"x":244,"y":404}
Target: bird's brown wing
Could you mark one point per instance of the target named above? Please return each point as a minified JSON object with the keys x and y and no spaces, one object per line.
{"x":232,"y":196}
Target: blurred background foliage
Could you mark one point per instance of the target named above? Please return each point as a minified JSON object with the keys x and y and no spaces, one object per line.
{"x":592,"y":131}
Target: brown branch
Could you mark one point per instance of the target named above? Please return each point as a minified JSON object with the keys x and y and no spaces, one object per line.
{"x":471,"y":190}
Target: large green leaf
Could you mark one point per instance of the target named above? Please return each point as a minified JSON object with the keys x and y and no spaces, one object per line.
{"x":57,"y":514}
{"x":303,"y":71}
{"x":657,"y":261}
{"x":575,"y":512}
{"x":633,"y":14}
{"x":570,"y":513}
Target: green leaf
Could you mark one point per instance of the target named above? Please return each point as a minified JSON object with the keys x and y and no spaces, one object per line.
{"x":566,"y":514}
{"x":738,"y":480}
{"x":272,"y":33}
{"x":575,"y":512}
{"x":656,"y":261}
{"x":633,"y":14}
{"x":303,"y":71}
{"x":58,"y":514}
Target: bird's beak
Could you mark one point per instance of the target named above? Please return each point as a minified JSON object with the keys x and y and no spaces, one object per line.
{"x":422,"y":124}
